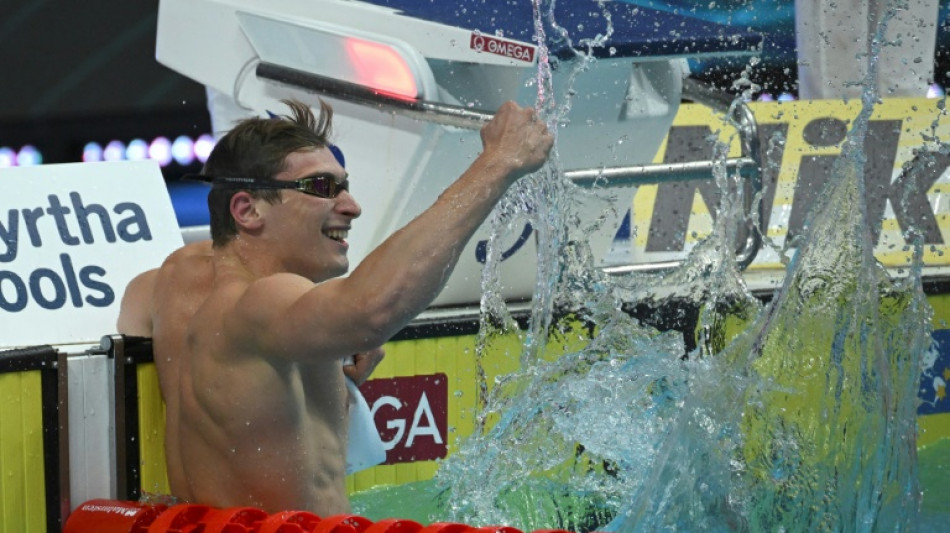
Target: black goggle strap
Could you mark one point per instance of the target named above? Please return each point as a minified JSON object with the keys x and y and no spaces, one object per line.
{"x":320,"y":186}
{"x":251,"y":183}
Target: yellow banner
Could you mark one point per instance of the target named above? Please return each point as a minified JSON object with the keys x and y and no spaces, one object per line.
{"x":800,"y":142}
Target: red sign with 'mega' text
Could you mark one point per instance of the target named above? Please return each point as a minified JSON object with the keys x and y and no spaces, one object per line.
{"x":411,"y":415}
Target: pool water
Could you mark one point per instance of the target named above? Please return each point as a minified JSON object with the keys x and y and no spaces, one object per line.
{"x":421,"y":501}
{"x":802,"y":418}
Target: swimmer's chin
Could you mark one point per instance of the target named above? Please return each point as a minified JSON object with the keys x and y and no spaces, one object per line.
{"x":328,"y":272}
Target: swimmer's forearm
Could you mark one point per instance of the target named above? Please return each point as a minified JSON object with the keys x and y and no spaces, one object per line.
{"x":408,"y":270}
{"x":404,"y":274}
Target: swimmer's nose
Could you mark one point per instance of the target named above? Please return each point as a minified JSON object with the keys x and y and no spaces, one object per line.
{"x":346,"y":204}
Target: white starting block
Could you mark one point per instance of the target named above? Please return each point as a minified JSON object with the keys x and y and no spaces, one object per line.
{"x":410,"y":82}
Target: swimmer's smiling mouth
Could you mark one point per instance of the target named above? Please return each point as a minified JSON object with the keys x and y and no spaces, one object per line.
{"x":338,"y":235}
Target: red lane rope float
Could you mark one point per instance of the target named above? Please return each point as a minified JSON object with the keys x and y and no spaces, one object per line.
{"x":446,"y":527}
{"x":496,"y":529}
{"x":289,"y":522}
{"x":109,"y":516}
{"x":394,"y":525}
{"x":113,"y":516}
{"x":182,"y":518}
{"x":343,"y":523}
{"x":233,"y":520}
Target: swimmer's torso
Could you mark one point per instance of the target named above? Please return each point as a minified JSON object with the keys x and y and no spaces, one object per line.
{"x":244,"y":428}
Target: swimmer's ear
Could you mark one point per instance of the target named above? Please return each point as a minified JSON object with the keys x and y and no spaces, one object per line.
{"x":245,"y":212}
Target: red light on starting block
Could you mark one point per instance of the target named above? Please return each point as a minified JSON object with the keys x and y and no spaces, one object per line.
{"x":382,"y":68}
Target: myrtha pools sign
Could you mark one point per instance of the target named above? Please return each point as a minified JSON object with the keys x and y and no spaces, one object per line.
{"x":71,"y":238}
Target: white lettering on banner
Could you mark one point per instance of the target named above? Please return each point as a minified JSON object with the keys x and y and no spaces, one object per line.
{"x":71,"y":237}
{"x":423,"y":422}
{"x":110,"y":509}
{"x":501,"y":47}
{"x":417,"y":429}
{"x":399,"y":424}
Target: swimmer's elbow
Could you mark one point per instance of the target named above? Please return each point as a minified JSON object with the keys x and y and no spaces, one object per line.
{"x":379,"y":327}
{"x":135,"y":309}
{"x":135,"y":318}
{"x":384,"y":316}
{"x":133,"y":326}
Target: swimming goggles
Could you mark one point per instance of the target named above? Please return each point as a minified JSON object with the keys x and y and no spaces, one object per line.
{"x":320,"y":186}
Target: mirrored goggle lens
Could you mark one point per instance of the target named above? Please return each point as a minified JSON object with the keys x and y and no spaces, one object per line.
{"x":324,"y":187}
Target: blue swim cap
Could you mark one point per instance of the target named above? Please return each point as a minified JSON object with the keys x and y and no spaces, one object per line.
{"x":338,"y":154}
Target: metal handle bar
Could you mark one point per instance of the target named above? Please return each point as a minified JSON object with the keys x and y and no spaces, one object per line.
{"x":433,"y":112}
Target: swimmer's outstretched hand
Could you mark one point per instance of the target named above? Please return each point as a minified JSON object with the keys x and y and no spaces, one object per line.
{"x":363,"y":365}
{"x":516,"y":138}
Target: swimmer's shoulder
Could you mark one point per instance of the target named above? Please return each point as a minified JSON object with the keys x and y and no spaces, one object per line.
{"x":195,"y":248}
{"x":277,"y":287}
{"x":257,"y":302}
{"x":190,"y":263}
{"x":196,"y":251}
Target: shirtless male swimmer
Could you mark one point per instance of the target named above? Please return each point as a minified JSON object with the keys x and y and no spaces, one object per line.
{"x":250,"y":333}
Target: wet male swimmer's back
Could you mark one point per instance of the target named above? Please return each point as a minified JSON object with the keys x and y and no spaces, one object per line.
{"x":169,"y":296}
{"x":261,"y":401}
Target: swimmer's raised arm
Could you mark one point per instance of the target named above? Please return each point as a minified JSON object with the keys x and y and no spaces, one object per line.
{"x":286,"y":314}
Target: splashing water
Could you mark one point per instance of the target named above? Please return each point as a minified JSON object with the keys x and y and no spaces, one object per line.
{"x":805,"y":421}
